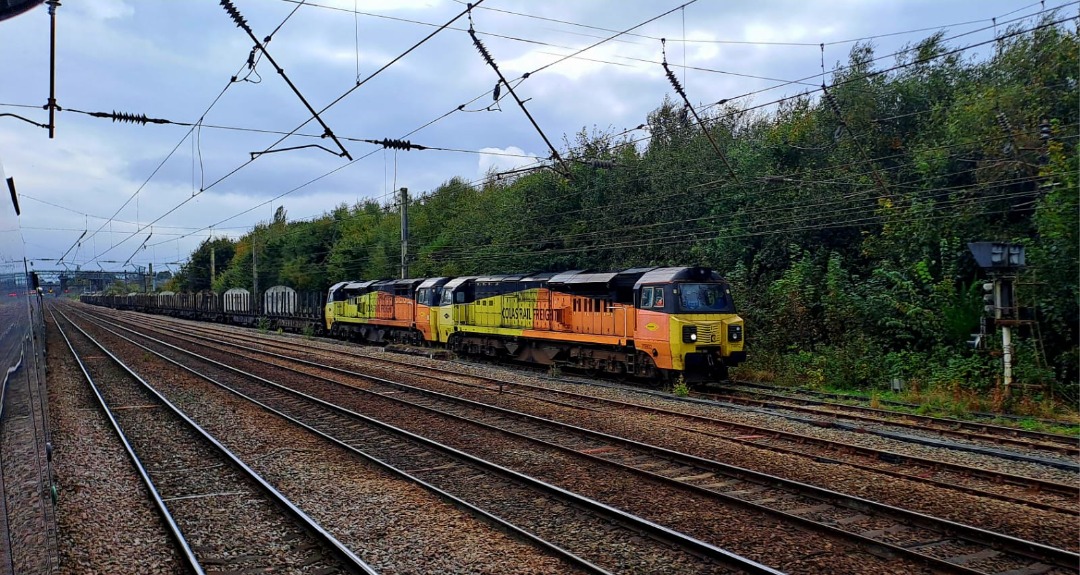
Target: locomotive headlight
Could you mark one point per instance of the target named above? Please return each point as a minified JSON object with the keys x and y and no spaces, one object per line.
{"x":689,"y":333}
{"x":734,"y":333}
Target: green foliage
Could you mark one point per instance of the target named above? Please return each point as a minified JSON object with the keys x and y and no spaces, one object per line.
{"x":195,"y":275}
{"x":119,"y":288}
{"x":841,"y":221}
{"x":679,"y":388}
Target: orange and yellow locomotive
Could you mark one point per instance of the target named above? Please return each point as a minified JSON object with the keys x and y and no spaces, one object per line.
{"x":645,"y":322}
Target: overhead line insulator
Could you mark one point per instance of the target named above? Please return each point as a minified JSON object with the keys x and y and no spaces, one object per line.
{"x":674,"y":81}
{"x":830,"y":99}
{"x":141,"y":119}
{"x":235,"y":15}
{"x":483,"y":50}
{"x":396,"y":144}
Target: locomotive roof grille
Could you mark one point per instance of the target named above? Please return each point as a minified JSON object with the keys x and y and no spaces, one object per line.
{"x":669,"y":275}
{"x":457,"y":282}
{"x":433,"y":282}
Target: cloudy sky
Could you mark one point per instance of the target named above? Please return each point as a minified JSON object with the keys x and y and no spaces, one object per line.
{"x":175,"y":59}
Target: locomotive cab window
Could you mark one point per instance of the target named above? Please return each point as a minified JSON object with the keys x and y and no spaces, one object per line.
{"x":704,"y":297}
{"x":447,"y":297}
{"x":652,"y":297}
{"x":646,"y":297}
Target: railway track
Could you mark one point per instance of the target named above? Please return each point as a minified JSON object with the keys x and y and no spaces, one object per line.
{"x":221,"y":515}
{"x":939,"y":544}
{"x":989,"y":483}
{"x":846,"y":399}
{"x":975,"y":431}
{"x":617,"y":540}
{"x":26,"y":474}
{"x":978,"y":432}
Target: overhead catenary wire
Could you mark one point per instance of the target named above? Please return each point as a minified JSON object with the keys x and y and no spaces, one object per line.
{"x":242,"y":24}
{"x":775,"y":216}
{"x":806,"y":94}
{"x":840,"y":69}
{"x":772,"y":220}
{"x":678,"y":237}
{"x":160,"y":165}
{"x":904,"y":51}
{"x":473,"y":5}
{"x":358,"y":84}
{"x":990,"y":199}
{"x":384,"y":142}
{"x":826,"y":169}
{"x":662,"y":201}
{"x":502,"y":79}
{"x":974,"y":201}
{"x":743,"y":42}
{"x":765,"y":212}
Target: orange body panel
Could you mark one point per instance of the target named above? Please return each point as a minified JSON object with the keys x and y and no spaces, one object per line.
{"x":423,"y":321}
{"x":652,"y":336}
{"x":398,"y":310}
{"x":567,"y":313}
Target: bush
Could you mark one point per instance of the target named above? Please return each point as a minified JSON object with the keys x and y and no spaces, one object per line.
{"x":679,"y":388}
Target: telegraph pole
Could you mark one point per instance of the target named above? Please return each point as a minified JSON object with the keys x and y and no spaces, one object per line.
{"x":404,"y":232}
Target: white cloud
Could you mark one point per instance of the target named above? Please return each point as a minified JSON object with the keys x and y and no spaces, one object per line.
{"x":385,"y":5}
{"x":503,"y":159}
{"x":100,"y":9}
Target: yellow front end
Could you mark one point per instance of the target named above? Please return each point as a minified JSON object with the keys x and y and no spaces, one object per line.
{"x":706,"y":343}
{"x":333,"y":309}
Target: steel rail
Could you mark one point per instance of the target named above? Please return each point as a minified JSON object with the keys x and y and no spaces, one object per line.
{"x":155,"y":495}
{"x":874,"y":453}
{"x":654,"y":530}
{"x":350,"y":560}
{"x":971,"y":535}
{"x":979,"y":414}
{"x":1062,"y":444}
{"x":975,"y":535}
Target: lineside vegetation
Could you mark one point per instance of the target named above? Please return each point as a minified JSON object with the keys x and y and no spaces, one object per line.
{"x":844,"y":236}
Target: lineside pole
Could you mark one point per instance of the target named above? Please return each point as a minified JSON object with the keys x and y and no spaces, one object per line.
{"x":52,"y":66}
{"x":404,"y":232}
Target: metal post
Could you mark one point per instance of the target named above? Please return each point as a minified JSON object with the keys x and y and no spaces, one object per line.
{"x":153,"y":280}
{"x":52,"y":66}
{"x":1007,"y":349}
{"x":213,"y":268}
{"x":254,"y":276}
{"x":404,"y":232}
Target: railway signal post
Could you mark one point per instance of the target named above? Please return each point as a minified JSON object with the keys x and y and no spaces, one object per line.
{"x":1003,"y":262}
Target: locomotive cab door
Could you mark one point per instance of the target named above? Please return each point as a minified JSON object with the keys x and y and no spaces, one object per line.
{"x":453,"y":311}
{"x":462,"y":309}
